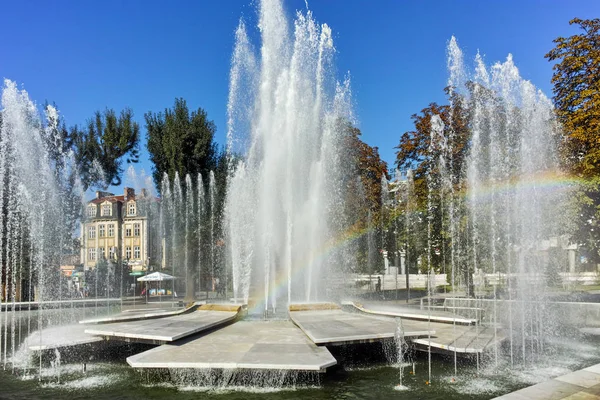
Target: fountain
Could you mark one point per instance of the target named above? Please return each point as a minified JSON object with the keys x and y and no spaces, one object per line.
{"x":290,"y":175}
{"x":285,"y":232}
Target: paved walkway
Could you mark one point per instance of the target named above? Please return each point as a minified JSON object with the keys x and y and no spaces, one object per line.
{"x":167,"y":329}
{"x":579,"y":385}
{"x":264,"y":345}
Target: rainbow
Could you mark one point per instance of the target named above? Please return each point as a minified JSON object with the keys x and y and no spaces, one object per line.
{"x":547,"y":181}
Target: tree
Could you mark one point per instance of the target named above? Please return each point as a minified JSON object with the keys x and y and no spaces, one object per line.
{"x":414,"y":153}
{"x":362,"y":208}
{"x":576,"y":91}
{"x":366,"y":163}
{"x":180,"y":141}
{"x":413,"y":149}
{"x":104,"y":142}
{"x":576,"y":98}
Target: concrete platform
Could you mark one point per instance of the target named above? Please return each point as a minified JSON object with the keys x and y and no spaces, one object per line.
{"x":139,"y":314}
{"x":262,"y":345}
{"x":396,"y":310}
{"x":58,"y":337}
{"x":337,"y":327}
{"x":167,"y":329}
{"x":583,"y":384}
{"x":461,"y":339}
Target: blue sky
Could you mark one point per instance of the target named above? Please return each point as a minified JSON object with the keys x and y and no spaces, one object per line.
{"x":88,"y":55}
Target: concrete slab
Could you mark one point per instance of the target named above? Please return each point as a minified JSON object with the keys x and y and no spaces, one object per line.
{"x":550,"y":390}
{"x":57,"y":337}
{"x":593,"y":368}
{"x":582,"y":378}
{"x":462,"y":339}
{"x":579,"y":385}
{"x":166,"y":329}
{"x":337,"y":327}
{"x":138,"y":314}
{"x":582,"y":396}
{"x":264,"y":345}
{"x":396,"y":310}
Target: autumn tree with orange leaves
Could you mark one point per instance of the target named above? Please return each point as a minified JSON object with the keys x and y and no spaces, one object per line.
{"x":576,"y":81}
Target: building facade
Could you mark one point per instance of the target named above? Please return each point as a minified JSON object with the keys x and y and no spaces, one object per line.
{"x":116,"y":228}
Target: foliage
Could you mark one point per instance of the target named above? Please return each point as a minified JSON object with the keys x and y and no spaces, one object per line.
{"x":180,"y":141}
{"x":416,"y":153}
{"x":576,"y":91}
{"x":104,"y":142}
{"x":363,"y":198}
{"x":413,"y":149}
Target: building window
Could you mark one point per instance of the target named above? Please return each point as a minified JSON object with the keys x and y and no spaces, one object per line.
{"x":136,"y":229}
{"x":92,"y":232}
{"x":111,"y":230}
{"x":131,"y":209}
{"x":101,"y":231}
{"x":91,"y":254}
{"x":136,"y":252}
{"x":91,"y":212}
{"x":106,"y":208}
{"x":102,"y":253}
{"x":127,"y":230}
{"x":112,"y":253}
{"x":127,"y":252}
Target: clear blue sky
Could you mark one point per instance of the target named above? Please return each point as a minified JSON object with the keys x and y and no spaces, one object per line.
{"x":88,"y":55}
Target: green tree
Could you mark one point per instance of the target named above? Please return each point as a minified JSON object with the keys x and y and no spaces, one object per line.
{"x":180,"y":141}
{"x":414,"y":153}
{"x":105,"y":142}
{"x":576,"y":81}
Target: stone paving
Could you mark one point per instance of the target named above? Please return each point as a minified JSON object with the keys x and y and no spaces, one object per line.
{"x":165,"y":329}
{"x":579,"y":385}
{"x":264,"y":345}
{"x":337,"y":327}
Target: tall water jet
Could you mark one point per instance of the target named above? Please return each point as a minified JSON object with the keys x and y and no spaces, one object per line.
{"x":283,"y":196}
{"x":189,"y":227}
{"x":200,"y":218}
{"x":212,"y":197}
{"x":510,"y":213}
{"x":178,"y":228}
{"x":409,"y":201}
{"x":32,"y":192}
{"x":455,"y":79}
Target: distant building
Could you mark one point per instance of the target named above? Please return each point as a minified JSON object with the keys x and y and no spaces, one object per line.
{"x":118,"y":228}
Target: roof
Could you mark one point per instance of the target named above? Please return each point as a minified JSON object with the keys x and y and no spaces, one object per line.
{"x":112,"y":199}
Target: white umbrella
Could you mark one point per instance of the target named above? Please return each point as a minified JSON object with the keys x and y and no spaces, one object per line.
{"x":155,"y":277}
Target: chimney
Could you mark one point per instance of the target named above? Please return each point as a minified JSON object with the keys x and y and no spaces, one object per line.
{"x":129,"y":194}
{"x":98,"y":194}
{"x":144,"y":192}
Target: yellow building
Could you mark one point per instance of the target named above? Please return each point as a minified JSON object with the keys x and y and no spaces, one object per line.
{"x":116,"y":228}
